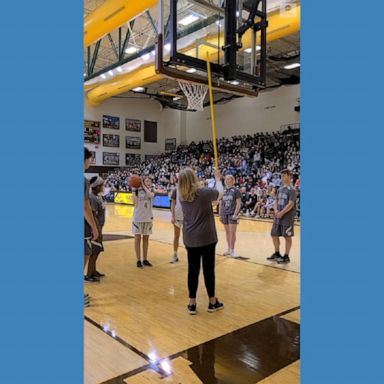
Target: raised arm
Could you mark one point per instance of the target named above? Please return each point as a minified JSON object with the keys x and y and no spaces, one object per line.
{"x":219,"y":184}
{"x":149,"y":193}
{"x":134,"y":196}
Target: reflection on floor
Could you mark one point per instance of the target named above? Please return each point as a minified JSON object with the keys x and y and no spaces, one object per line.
{"x":104,"y":357}
{"x":247,"y":355}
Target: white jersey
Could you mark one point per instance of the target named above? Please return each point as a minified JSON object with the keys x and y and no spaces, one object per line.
{"x":143,"y":208}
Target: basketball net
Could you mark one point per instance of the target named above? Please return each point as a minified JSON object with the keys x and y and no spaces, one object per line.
{"x":195,"y":94}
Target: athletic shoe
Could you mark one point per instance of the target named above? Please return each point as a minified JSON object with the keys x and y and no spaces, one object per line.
{"x":146,"y":263}
{"x":86,"y":301}
{"x":99,"y":274}
{"x":139,"y":264}
{"x":233,"y":254}
{"x":274,"y":257}
{"x":191,"y":308}
{"x":215,"y":307}
{"x":92,"y":279}
{"x":174,"y":259}
{"x":228,"y":253}
{"x":283,"y":259}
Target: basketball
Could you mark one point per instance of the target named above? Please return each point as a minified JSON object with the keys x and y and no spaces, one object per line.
{"x":134,"y":181}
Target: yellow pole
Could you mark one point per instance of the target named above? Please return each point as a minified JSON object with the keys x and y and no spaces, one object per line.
{"x":213,"y":116}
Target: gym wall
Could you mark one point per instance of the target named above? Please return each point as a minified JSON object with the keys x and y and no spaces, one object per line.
{"x":168,"y":122}
{"x":266,"y":113}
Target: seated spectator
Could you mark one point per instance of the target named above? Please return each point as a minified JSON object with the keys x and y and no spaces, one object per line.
{"x":259,"y":206}
{"x":251,"y":202}
{"x":269,"y":205}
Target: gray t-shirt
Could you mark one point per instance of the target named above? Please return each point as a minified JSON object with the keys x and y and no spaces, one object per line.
{"x":98,"y":208}
{"x":286,"y":194}
{"x":87,"y":227}
{"x":199,"y":227}
{"x":228,"y":204}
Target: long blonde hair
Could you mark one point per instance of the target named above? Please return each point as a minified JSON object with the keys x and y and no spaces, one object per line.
{"x":188,"y":185}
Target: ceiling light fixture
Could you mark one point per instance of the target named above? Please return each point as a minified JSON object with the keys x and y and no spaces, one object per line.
{"x":249,"y":50}
{"x":138,"y":89}
{"x":188,"y":20}
{"x":131,"y":50}
{"x":292,"y":66}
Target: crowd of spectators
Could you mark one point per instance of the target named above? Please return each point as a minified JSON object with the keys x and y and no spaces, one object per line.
{"x":255,"y":162}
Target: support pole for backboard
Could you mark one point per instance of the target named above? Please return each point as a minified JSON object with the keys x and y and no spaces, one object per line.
{"x":253,"y":52}
{"x":213,"y":116}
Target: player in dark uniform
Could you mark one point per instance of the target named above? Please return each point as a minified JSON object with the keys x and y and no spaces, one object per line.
{"x":283,"y":224}
{"x":229,"y":209}
{"x":90,"y":228}
{"x":98,"y":209}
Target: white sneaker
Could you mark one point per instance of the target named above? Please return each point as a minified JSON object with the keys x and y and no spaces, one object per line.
{"x":227,"y":253}
{"x":233,"y":254}
{"x":174,"y":259}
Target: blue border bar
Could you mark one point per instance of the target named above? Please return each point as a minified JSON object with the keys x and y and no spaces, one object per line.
{"x":41,"y":162}
{"x":342,"y":182}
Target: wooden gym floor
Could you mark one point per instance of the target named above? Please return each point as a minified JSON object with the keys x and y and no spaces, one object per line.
{"x":137,"y":329}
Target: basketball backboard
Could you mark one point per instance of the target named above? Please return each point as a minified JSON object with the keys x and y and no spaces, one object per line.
{"x":230,"y":33}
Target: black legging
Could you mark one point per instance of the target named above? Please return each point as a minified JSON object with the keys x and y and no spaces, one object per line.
{"x":194,"y":260}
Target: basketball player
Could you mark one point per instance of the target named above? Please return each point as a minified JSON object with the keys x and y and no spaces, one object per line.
{"x":142,"y":219}
{"x":98,"y":209}
{"x":229,"y":210}
{"x":90,"y":228}
{"x":177,"y":221}
{"x":199,"y":234}
{"x":285,"y":210}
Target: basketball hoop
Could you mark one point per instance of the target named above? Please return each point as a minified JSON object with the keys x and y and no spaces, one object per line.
{"x":195,"y":94}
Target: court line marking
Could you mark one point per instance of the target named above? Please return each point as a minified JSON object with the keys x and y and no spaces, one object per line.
{"x":154,"y":366}
{"x":233,"y":258}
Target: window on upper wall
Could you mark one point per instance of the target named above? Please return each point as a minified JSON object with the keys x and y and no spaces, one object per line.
{"x":150,"y":131}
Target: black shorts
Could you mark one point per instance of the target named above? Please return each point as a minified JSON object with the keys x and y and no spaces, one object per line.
{"x":228,"y":219}
{"x":284,"y":230}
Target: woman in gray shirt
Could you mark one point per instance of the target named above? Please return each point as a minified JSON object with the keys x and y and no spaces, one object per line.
{"x":199,"y":234}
